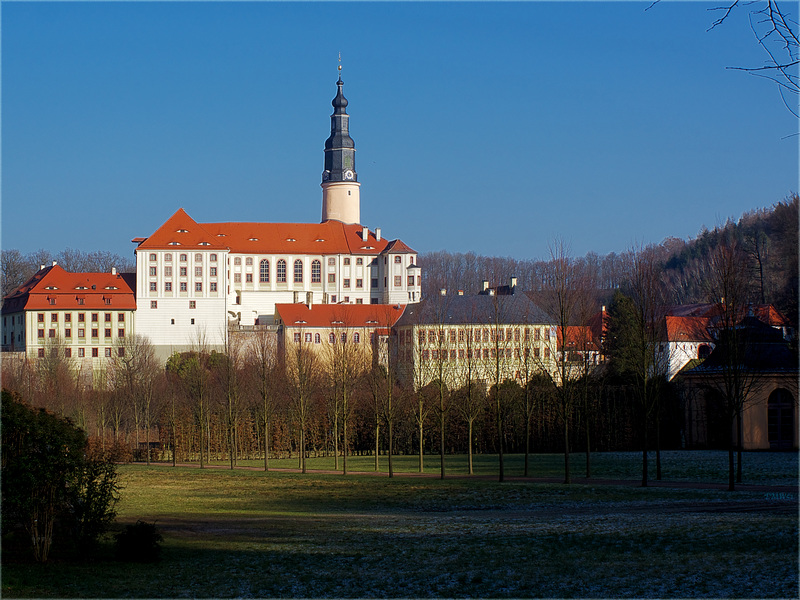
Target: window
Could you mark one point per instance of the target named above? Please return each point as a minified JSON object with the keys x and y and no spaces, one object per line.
{"x":183,"y":286}
{"x":356,"y":338}
{"x":317,"y":338}
{"x":68,"y":333}
{"x":107,"y":317}
{"x":41,"y":333}
{"x":237,"y":278}
{"x":333,"y":299}
{"x":331,"y":261}
{"x":108,"y":353}
{"x":52,"y":333}
{"x":52,"y":300}
{"x":198,"y":271}
{"x":308,"y":338}
{"x":298,"y":271}
{"x":410,"y":281}
{"x":536,"y":334}
{"x":183,"y":258}
{"x":153,"y":303}
{"x":95,"y":317}
{"x":120,"y":351}
{"x":248,"y":278}
{"x":316,"y":271}
{"x":398,"y":280}
{"x":81,"y":332}
{"x":411,"y":260}
{"x":331,"y":277}
{"x":359,"y":283}
{"x":359,"y":301}
{"x":249,"y":261}
{"x":168,"y":286}
{"x":331,"y":339}
{"x":40,"y":317}
{"x":81,"y":317}
{"x":344,"y":338}
{"x":153,"y":286}
{"x":152,"y":257}
{"x":547,"y":352}
{"x":107,"y":332}
{"x":452,"y":336}
{"x":54,"y":317}
{"x":67,"y":318}
{"x":81,"y":300}
{"x":461,"y":336}
{"x":198,"y":257}
{"x":237,"y":260}
{"x":296,"y":338}
{"x":167,"y":271}
{"x":281,"y":271}
{"x":120,"y":333}
{"x":546,"y":333}
{"x":346,"y":283}
{"x":95,"y":352}
{"x":419,"y":280}
{"x":41,"y":353}
{"x":191,"y":321}
{"x":374,"y":282}
{"x":198,"y":286}
{"x":213,"y":287}
{"x":263,"y":271}
{"x":212,"y":271}
{"x":81,"y":352}
{"x":168,"y":257}
{"x":153,"y":271}
{"x":192,"y":304}
{"x":212,"y":257}
{"x":347,"y":261}
{"x":183,"y":271}
{"x":359,"y":261}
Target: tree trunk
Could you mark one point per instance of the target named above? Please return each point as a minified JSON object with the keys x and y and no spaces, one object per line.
{"x":266,"y":444}
{"x":567,"y":478}
{"x":469,"y":445}
{"x":421,"y":467}
{"x":739,"y":446}
{"x":377,"y":441}
{"x":391,"y":470}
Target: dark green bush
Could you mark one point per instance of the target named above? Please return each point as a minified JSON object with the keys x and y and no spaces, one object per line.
{"x":139,"y":542}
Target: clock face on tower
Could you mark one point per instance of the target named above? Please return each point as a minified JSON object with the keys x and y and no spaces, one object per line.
{"x":348,"y":175}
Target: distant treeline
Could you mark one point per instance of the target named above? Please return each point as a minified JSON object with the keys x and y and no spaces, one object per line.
{"x":770,"y":237}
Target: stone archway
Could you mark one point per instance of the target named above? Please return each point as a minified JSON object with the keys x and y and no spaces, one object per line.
{"x":780,"y":419}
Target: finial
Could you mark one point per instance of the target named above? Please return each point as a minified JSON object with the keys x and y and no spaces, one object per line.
{"x":340,"y":66}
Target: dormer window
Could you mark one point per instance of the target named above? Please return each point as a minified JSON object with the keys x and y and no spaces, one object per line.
{"x":203,"y":244}
{"x":174,"y":244}
{"x":81,"y":287}
{"x":222,"y":235}
{"x":111,"y":287}
{"x":253,"y":239}
{"x":291,"y":240}
{"x":183,"y":231}
{"x":319,"y":240}
{"x":51,"y":287}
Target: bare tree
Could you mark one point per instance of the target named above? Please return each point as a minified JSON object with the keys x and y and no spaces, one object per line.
{"x":263,"y":361}
{"x":302,"y":374}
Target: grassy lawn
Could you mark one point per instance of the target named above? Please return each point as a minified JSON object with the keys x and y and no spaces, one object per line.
{"x":254,"y":534}
{"x":767,"y":468}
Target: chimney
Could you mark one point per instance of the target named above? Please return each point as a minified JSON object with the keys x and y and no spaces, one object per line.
{"x":378,"y":234}
{"x":41,"y":267}
{"x":309,"y":299}
{"x":460,"y":292}
{"x":443,"y":292}
{"x":296,"y":297}
{"x":55,"y":262}
{"x":365,"y":234}
{"x":513,"y":283}
{"x":484,"y":285}
{"x":113,"y":270}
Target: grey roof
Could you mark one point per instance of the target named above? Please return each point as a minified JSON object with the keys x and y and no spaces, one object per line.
{"x":479,"y":309}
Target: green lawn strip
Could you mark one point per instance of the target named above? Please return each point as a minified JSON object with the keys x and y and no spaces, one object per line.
{"x":767,"y":468}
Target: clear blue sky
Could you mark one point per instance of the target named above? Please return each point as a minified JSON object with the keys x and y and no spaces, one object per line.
{"x":479,"y":126}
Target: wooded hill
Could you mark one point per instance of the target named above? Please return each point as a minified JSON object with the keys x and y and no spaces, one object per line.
{"x":769,"y":236}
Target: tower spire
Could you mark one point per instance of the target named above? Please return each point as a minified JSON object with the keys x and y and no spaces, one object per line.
{"x":340,"y":198}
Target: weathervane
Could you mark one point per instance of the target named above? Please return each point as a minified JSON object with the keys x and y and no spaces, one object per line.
{"x":340,"y":65}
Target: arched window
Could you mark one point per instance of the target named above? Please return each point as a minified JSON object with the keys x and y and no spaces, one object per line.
{"x":237,"y":260}
{"x":263,"y":271}
{"x":248,"y":261}
{"x":317,"y":339}
{"x":344,"y":338}
{"x":298,"y":271}
{"x":332,"y":338}
{"x":356,"y":338}
{"x":280,"y":275}
{"x":316,"y":271}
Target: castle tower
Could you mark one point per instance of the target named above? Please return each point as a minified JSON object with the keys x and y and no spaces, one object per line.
{"x":340,"y":187}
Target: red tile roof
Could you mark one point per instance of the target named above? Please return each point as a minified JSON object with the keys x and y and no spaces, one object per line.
{"x":377,"y":316}
{"x":66,"y":288}
{"x":330,"y":237}
{"x":688,"y":329}
{"x":579,"y":338}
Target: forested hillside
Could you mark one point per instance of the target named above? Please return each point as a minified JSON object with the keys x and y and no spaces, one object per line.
{"x":769,"y":236}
